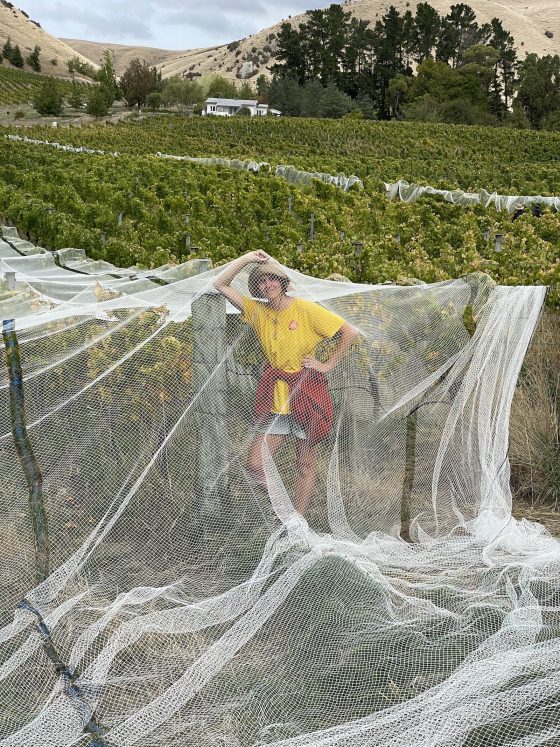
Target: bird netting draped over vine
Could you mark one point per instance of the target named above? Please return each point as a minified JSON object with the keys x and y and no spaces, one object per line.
{"x":153,"y":593}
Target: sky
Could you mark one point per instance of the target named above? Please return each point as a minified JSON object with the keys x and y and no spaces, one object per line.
{"x":164,"y":24}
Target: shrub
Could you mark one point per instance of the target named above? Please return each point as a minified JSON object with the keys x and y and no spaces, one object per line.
{"x":97,"y":103}
{"x":48,"y":101}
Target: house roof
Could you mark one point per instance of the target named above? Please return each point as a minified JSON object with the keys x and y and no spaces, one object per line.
{"x":232,"y":102}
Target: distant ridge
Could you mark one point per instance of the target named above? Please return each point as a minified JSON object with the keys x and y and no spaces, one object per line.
{"x":527,"y":20}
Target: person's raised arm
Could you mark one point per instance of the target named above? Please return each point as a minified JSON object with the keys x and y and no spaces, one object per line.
{"x":223,"y":282}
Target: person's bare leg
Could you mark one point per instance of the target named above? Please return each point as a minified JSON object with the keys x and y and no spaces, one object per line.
{"x":306,"y":475}
{"x":254,"y":458}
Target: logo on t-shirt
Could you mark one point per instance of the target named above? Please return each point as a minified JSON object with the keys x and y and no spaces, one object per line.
{"x":292,"y":324}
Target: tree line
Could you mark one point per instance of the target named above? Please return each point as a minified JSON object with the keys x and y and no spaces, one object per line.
{"x":12,"y":54}
{"x":419,"y":66}
{"x":140,"y":85}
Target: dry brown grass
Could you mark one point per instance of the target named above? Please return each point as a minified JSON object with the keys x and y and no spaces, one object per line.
{"x":24,"y":31}
{"x":535,"y":420}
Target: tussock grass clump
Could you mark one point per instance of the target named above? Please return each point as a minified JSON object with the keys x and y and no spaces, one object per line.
{"x":535,"y":419}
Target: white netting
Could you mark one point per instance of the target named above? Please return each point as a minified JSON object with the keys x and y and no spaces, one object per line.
{"x":411,"y":192}
{"x":186,"y":604}
{"x":290,"y":173}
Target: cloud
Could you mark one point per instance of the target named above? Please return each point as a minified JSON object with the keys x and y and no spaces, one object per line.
{"x":98,"y":22}
{"x":168,"y":24}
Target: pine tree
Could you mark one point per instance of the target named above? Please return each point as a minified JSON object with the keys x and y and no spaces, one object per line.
{"x":506,"y":66}
{"x":7,"y":50}
{"x":33,"y":59}
{"x":107,"y":79}
{"x":291,"y":52}
{"x":459,"y":31}
{"x":17,"y":58}
{"x":426,"y":31}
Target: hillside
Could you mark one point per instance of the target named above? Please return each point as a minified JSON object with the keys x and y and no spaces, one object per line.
{"x":122,"y":54}
{"x":527,"y":20}
{"x":16,"y":25}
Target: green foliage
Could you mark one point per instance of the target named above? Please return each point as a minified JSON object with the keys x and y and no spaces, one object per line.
{"x":19,"y":86}
{"x":97,"y":103}
{"x":334,"y":103}
{"x":107,"y":79}
{"x":76,"y":65}
{"x":76,"y":97}
{"x":310,"y":99}
{"x":153,"y":100}
{"x":539,"y":87}
{"x":263,"y":87}
{"x":184,"y":94}
{"x":468,"y":69}
{"x":16,"y":57}
{"x":7,"y":49}
{"x":48,"y":100}
{"x":231,"y":212}
{"x":221,"y":87}
{"x":33,"y":59}
{"x":246,"y":91}
{"x":138,"y":81}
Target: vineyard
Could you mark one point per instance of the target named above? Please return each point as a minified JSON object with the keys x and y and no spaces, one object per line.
{"x":20,"y":87}
{"x":135,"y":208}
{"x":157,"y":589}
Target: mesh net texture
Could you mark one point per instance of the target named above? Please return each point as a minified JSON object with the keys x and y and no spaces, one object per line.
{"x":154,"y":592}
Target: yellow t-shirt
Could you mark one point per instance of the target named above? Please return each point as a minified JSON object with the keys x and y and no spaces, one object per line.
{"x":287,"y":335}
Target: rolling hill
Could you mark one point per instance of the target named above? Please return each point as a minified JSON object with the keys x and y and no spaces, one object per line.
{"x":16,"y":25}
{"x":527,"y":20}
{"x":535,"y":25}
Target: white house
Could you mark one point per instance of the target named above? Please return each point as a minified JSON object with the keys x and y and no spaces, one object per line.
{"x":229,"y":107}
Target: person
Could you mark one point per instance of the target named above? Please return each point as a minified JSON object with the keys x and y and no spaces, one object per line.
{"x":292,"y":398}
{"x":518,"y":211}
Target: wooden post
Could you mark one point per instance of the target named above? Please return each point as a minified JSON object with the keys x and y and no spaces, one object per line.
{"x":24,"y":449}
{"x":210,"y":388}
{"x":409,"y":467}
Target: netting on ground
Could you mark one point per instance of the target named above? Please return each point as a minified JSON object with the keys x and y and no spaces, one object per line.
{"x":153,"y":592}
